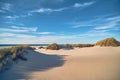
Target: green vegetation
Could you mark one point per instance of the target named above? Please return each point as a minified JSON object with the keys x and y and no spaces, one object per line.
{"x":53,"y":46}
{"x":108,"y":42}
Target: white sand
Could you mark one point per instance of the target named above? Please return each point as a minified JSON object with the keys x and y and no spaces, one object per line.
{"x":96,"y":63}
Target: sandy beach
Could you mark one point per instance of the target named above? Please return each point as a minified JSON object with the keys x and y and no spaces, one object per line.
{"x":90,"y":63}
{"x":94,"y":63}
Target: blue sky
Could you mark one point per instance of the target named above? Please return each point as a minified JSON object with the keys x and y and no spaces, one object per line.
{"x":58,"y":21}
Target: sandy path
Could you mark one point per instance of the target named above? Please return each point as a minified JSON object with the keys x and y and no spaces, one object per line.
{"x":83,"y":64}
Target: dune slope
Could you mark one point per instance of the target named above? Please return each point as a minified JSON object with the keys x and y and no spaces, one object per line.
{"x":83,"y":64}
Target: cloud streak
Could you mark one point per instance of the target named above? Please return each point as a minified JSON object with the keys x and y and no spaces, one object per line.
{"x":50,"y":10}
{"x":12,"y":17}
{"x":5,"y":7}
{"x":18,"y":29}
{"x":100,"y":26}
{"x":111,"y":23}
{"x":47,"y":10}
{"x":22,"y":30}
{"x":77,"y":5}
{"x":99,"y":23}
{"x":34,"y":29}
{"x":45,"y":33}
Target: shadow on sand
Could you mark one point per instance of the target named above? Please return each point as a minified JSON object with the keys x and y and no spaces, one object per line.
{"x":35,"y":62}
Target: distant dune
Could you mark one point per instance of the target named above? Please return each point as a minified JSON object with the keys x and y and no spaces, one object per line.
{"x":108,"y":42}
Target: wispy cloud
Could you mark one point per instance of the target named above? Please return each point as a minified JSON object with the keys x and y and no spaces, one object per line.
{"x":22,"y":30}
{"x":16,"y":35}
{"x":76,"y":5}
{"x":50,"y":10}
{"x":47,"y":10}
{"x":33,"y":39}
{"x":19,"y":29}
{"x":12,"y":17}
{"x":104,"y":27}
{"x":111,"y":23}
{"x":81,"y":25}
{"x":45,"y":32}
{"x":100,"y":26}
{"x":5,"y":7}
{"x":116,"y":18}
{"x":25,"y":28}
{"x":20,"y":38}
{"x":6,"y":34}
{"x":98,"y":23}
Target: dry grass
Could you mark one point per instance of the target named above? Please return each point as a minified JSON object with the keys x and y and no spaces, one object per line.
{"x":13,"y":53}
{"x":83,"y":45}
{"x":53,"y":46}
{"x":108,"y":42}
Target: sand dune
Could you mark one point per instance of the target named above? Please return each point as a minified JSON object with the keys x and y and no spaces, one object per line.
{"x":96,"y":63}
{"x":93,"y":63}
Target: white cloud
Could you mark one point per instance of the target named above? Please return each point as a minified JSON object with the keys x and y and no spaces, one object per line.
{"x":34,"y":29}
{"x":16,"y":35}
{"x":45,"y":33}
{"x":81,"y":25}
{"x":83,"y":4}
{"x":18,"y":29}
{"x":48,"y":10}
{"x":107,"y":26}
{"x":12,"y":30}
{"x":113,"y":18}
{"x":5,"y":7}
{"x":111,"y":23}
{"x":99,"y":23}
{"x":100,"y":26}
{"x":31,"y":39}
{"x":12,"y":17}
{"x":6,"y":34}
{"x":11,"y":38}
{"x":26,"y":40}
{"x":76,"y":26}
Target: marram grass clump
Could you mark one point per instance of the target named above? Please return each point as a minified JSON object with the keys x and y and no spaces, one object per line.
{"x":82,"y":45}
{"x":108,"y":42}
{"x":12,"y":54}
{"x":68,"y":46}
{"x":53,"y":46}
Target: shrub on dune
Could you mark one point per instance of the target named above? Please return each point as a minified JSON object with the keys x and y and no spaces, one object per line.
{"x":69,"y":46}
{"x":13,"y":52}
{"x":108,"y":42}
{"x":83,"y":45}
{"x":41,"y":47}
{"x":53,"y":46}
{"x":4,"y":52}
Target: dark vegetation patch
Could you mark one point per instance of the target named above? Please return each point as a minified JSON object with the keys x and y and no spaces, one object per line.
{"x":11,"y":55}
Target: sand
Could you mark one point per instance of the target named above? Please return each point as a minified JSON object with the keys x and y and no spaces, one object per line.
{"x":93,"y":63}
